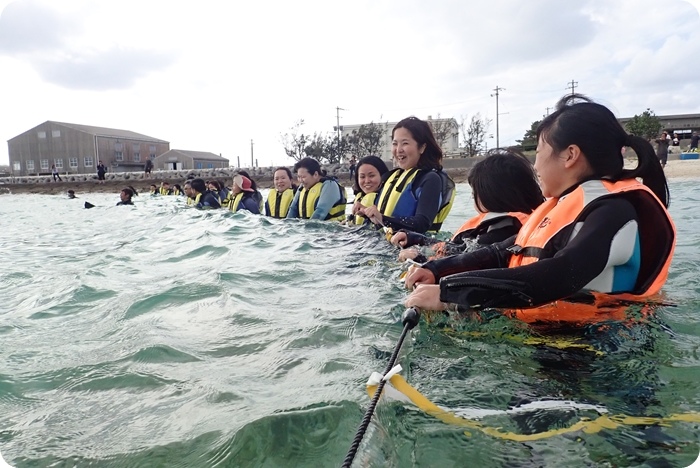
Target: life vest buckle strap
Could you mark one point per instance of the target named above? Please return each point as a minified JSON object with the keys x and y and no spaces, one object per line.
{"x":515,"y":249}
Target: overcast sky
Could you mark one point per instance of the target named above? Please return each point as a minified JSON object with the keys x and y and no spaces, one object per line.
{"x":211,"y":76}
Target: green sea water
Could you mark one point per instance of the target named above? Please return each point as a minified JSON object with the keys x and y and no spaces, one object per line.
{"x":159,"y":335}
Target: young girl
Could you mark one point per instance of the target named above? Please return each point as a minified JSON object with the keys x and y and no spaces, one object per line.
{"x":505,"y":191}
{"x":601,"y":236}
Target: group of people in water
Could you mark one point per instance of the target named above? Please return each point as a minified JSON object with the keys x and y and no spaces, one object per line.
{"x":560,"y":240}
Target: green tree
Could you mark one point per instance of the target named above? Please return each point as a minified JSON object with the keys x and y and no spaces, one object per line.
{"x":316,"y":147}
{"x":333,"y":150}
{"x":365,"y":141}
{"x":529,"y":141}
{"x":647,"y":125}
{"x":295,"y":142}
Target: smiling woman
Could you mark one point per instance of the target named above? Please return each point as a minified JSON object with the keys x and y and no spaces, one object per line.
{"x":418,"y":195}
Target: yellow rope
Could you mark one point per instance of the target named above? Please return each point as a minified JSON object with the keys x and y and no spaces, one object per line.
{"x":589,"y":426}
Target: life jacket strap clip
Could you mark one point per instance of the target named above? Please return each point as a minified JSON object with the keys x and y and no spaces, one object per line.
{"x":515,"y":249}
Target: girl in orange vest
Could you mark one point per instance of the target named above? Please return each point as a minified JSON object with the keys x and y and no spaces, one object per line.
{"x":600,"y":237}
{"x":505,"y":191}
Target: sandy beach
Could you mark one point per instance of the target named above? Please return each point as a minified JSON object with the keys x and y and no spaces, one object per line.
{"x":689,"y":169}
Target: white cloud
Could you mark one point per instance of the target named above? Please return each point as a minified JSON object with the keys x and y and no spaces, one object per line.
{"x":211,"y":76}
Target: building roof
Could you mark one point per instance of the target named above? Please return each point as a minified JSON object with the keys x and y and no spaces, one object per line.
{"x":198,"y":155}
{"x":109,"y":132}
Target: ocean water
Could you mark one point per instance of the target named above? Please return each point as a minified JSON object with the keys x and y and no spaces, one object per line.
{"x":158,"y":335}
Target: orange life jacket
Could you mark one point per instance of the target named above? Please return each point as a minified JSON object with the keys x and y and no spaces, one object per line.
{"x":473,"y":223}
{"x":657,"y":241}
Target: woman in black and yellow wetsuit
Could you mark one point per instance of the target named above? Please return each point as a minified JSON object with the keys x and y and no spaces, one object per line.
{"x":281,"y":194}
{"x":368,"y":180}
{"x":601,"y":237}
{"x":319,"y":197}
{"x":505,"y":191}
{"x":418,"y":195}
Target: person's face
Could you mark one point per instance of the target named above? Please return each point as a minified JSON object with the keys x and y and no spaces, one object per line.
{"x":124,"y":196}
{"x":549,"y":167}
{"x":405,"y":149}
{"x":212,"y":187}
{"x":189,"y":192}
{"x":368,"y":178}
{"x":307,"y":179}
{"x":282,"y":181}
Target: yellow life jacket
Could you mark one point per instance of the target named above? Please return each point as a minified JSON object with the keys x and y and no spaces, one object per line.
{"x":397,"y":199}
{"x":234,"y":201}
{"x":164,"y":191}
{"x":278,"y":203}
{"x":308,"y":199}
{"x":194,"y":201}
{"x":366,"y":199}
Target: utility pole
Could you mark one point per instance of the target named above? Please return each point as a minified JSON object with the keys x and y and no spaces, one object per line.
{"x":338,"y":128}
{"x":497,"y":89}
{"x":251,"y":154}
{"x":572,"y":85}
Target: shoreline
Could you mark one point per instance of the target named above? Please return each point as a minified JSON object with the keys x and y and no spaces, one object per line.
{"x":675,"y":169}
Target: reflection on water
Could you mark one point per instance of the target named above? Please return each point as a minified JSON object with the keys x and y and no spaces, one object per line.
{"x":158,"y":335}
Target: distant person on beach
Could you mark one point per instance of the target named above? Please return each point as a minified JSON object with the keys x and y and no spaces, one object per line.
{"x":54,"y":173}
{"x":147,"y":168}
{"x":662,"y":144}
{"x":694,"y":142}
{"x":71,"y":194}
{"x":125,"y":196}
{"x":505,"y":191}
{"x":320,"y":197}
{"x":366,"y":185}
{"x":675,"y":141}
{"x":604,"y":233}
{"x":352,"y":166}
{"x":101,"y":170}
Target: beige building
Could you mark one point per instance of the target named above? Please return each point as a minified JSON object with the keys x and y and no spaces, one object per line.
{"x":449,"y":145}
{"x":177,"y":160}
{"x":74,"y":148}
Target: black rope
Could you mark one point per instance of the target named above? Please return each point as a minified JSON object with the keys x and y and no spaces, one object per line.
{"x":410,"y":319}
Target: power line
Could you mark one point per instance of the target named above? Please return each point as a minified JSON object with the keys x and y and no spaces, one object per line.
{"x":572,"y":85}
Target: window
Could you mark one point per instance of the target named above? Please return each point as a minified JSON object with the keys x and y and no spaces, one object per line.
{"x":58,"y":163}
{"x":119,"y":156}
{"x":199,"y":165}
{"x":118,"y":146}
{"x":41,"y":134}
{"x":44,"y":164}
{"x":137,"y":157}
{"x":16,"y":166}
{"x":136,"y":147}
{"x":88,"y":161}
{"x":30,"y":165}
{"x":55,"y":133}
{"x":73,"y":162}
{"x":210,"y":166}
{"x":152,"y":151}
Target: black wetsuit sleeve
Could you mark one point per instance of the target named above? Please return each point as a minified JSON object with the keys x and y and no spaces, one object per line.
{"x":498,"y":235}
{"x":430,"y":187}
{"x":570,"y":267}
{"x":491,"y":256}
